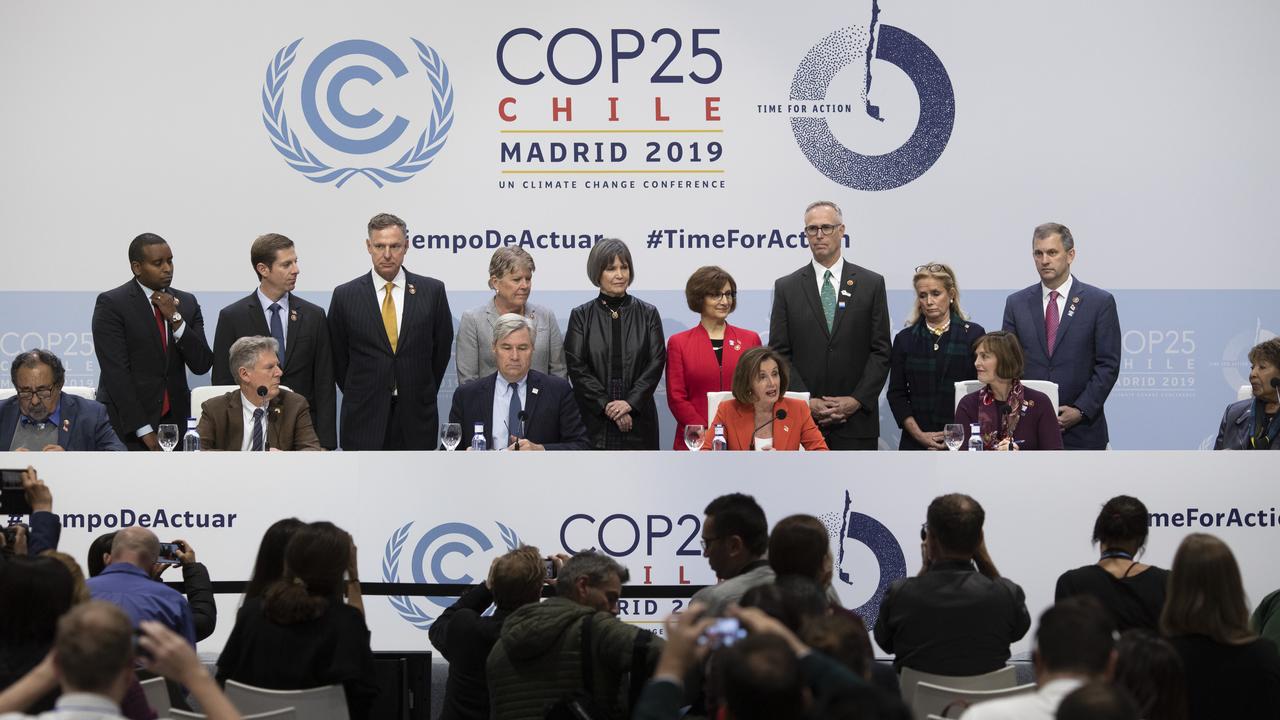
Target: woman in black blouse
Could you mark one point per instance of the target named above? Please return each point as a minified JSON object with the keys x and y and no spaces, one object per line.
{"x":929,"y":357}
{"x":616,"y":352}
{"x":300,"y":634}
{"x":1132,"y":591}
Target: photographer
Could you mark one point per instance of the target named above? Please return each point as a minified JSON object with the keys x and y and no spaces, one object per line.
{"x":44,"y":529}
{"x":958,"y":616}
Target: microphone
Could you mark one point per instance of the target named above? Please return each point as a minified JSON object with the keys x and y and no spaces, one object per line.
{"x":522,"y":416}
{"x":262,"y":391}
{"x":781,"y":414}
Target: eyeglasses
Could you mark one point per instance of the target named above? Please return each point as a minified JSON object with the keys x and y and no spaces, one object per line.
{"x":707,"y":543}
{"x":727,"y":295}
{"x":816,"y":230}
{"x":931,"y":267}
{"x":41,"y":392}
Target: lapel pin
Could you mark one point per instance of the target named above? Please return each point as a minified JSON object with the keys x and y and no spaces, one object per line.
{"x":66,"y":425}
{"x":412,"y":290}
{"x":1075,"y":300}
{"x":786,"y":428}
{"x":293,"y":316}
{"x":841,"y":305}
{"x":845,"y":293}
{"x":533,"y":390}
{"x":849,"y":282}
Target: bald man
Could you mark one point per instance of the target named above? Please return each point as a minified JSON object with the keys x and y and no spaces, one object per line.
{"x":126,"y":581}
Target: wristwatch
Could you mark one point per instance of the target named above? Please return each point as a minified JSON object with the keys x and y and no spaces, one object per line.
{"x":176,"y":319}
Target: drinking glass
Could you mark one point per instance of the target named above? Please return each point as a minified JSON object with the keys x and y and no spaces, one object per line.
{"x":168,"y":437}
{"x":954,"y":436}
{"x":450,"y":435}
{"x":693,"y":436}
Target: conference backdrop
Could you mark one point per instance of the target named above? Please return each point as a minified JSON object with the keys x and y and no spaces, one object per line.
{"x":697,"y":132}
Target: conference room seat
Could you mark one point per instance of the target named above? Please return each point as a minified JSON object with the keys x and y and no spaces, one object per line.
{"x":937,"y":701}
{"x":283,"y":714}
{"x":322,"y":703}
{"x":1002,"y":679}
{"x":1244,"y":393}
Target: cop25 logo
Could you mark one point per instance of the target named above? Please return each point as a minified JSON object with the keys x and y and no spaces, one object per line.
{"x":877,"y":538}
{"x":835,"y":53}
{"x":355,"y":138}
{"x":433,"y":550}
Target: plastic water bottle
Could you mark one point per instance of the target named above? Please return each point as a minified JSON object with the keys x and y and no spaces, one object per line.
{"x":191,"y":440}
{"x":478,"y":440}
{"x":975,"y":437}
{"x":718,"y":442}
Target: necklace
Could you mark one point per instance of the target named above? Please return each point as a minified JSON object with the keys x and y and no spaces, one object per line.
{"x":612,"y":312}
{"x":938,"y":332}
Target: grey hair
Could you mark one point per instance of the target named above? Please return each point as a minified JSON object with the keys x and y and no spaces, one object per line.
{"x":602,"y":256}
{"x":1049,"y":229}
{"x":825,"y":203}
{"x":509,"y":323}
{"x":245,"y":351}
{"x":594,"y":566}
{"x":506,"y":259}
{"x":381,"y":221}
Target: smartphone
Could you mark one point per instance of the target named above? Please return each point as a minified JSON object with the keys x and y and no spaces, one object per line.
{"x":13,"y":498}
{"x":169,"y":554}
{"x":722,"y":633}
{"x":551,"y":568}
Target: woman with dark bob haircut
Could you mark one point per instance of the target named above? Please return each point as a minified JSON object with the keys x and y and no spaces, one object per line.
{"x":269,"y":565}
{"x":300,"y":634}
{"x":1150,"y":670}
{"x":1009,"y":416}
{"x":1131,"y":591}
{"x":1231,"y":672}
{"x":616,"y":352}
{"x":702,"y":359}
{"x":760,"y":416}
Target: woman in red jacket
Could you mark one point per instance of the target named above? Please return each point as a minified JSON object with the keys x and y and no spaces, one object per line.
{"x":760,"y":417}
{"x":702,"y":359}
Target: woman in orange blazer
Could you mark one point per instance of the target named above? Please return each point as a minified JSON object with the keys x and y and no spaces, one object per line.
{"x":702,"y":359}
{"x":759,"y":417}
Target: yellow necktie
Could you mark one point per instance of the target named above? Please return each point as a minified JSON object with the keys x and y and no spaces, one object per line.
{"x":389,"y":317}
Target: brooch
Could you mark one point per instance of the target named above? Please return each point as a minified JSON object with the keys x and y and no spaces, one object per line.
{"x":734,"y":344}
{"x":412,"y":290}
{"x":66,"y":425}
{"x":849,"y":282}
{"x":786,"y":428}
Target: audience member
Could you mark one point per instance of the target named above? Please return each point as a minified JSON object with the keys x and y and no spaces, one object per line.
{"x":269,"y":566}
{"x":1131,"y":591}
{"x":36,"y":592}
{"x":1150,"y":669}
{"x":571,"y":650}
{"x":735,"y":538}
{"x":93,"y":660}
{"x":792,"y":600}
{"x":1266,"y":619}
{"x":1098,"y":701}
{"x":953,"y":618}
{"x":1075,"y":644}
{"x":197,"y":586}
{"x":300,"y":634}
{"x":126,"y":581}
{"x":99,"y":553}
{"x":80,"y":591}
{"x":1230,"y":671}
{"x":259,"y":415}
{"x":464,"y":635}
{"x":41,"y":418}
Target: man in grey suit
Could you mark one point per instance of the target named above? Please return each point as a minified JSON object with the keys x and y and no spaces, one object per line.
{"x":830,"y":319}
{"x":392,"y":334}
{"x":300,"y":329}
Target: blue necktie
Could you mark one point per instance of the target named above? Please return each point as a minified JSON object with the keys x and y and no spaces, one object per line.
{"x":255,"y":442}
{"x":277,"y":329}
{"x":514,"y":425}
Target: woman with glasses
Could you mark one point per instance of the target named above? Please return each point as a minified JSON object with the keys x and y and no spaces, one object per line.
{"x":511,"y":279}
{"x":702,"y":359}
{"x":615,"y":352}
{"x":932,"y":354}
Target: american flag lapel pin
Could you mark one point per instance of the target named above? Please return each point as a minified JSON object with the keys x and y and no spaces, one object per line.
{"x":412,"y":290}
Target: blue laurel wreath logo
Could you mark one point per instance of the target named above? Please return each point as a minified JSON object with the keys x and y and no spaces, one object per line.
{"x":403,"y":604}
{"x":414,"y":161}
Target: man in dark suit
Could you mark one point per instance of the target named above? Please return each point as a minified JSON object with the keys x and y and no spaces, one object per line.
{"x":259,"y":415}
{"x":42,"y":418}
{"x":147,"y":336}
{"x":830,"y":319}
{"x":299,"y":327}
{"x":392,"y":335}
{"x":1070,"y":335}
{"x":520,"y":409}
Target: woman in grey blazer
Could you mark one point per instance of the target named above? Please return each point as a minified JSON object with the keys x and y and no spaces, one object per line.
{"x":511,"y":278}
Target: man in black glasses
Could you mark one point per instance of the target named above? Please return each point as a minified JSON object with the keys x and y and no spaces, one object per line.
{"x":40,"y":417}
{"x":830,"y":319}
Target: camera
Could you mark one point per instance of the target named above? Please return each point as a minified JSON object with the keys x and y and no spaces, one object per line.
{"x":722,"y":633}
{"x":551,"y":568}
{"x":169,"y":554}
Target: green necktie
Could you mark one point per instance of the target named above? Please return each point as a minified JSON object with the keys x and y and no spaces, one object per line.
{"x":828,"y":299}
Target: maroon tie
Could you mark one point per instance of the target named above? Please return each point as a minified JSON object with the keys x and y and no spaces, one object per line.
{"x":1051,"y":320}
{"x":164,"y":345}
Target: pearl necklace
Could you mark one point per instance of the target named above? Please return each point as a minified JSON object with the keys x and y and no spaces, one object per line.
{"x":938,"y":332}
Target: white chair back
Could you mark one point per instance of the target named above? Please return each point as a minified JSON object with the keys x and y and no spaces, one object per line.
{"x":157,"y":695}
{"x":282,"y":714}
{"x":6,"y":393}
{"x":948,"y":702}
{"x":1244,"y":393}
{"x":964,"y":387}
{"x":715,"y":398}
{"x":322,"y":703}
{"x":1005,"y":677}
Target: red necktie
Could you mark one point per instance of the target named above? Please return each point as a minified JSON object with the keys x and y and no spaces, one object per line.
{"x":164,"y":345}
{"x":1051,"y":320}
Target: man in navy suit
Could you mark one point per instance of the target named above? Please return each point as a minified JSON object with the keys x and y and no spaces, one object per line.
{"x":520,"y":409}
{"x":147,"y":336}
{"x":299,"y":328}
{"x":1070,"y":335}
{"x":392,"y":335}
{"x":41,"y":418}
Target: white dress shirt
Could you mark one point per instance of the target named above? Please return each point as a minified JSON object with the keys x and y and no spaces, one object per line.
{"x":76,"y":706}
{"x":1064,"y":292}
{"x":283,"y":302}
{"x":836,"y":269}
{"x":501,"y":406}
{"x":1040,"y":705}
{"x":397,"y":295}
{"x":247,"y":407}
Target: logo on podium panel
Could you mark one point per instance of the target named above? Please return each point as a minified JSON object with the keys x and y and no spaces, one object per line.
{"x":864,"y":530}
{"x":339,"y":95}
